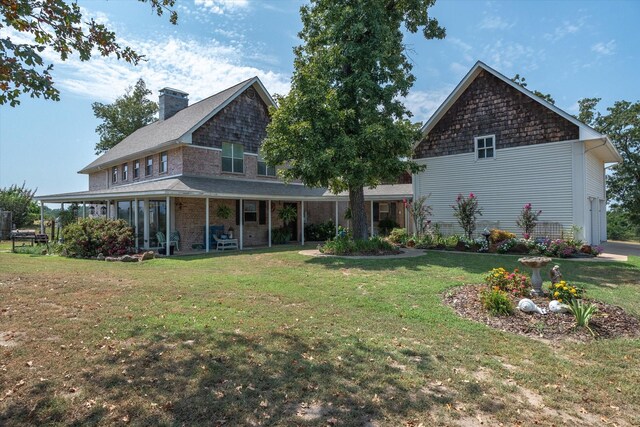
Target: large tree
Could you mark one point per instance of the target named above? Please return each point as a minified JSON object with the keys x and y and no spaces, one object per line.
{"x":622,"y":125}
{"x":56,"y":25}
{"x":128,"y":113}
{"x":520,"y":80}
{"x":343,"y":124}
{"x":19,"y":201}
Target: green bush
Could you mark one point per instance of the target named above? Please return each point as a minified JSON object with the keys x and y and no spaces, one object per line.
{"x":387,"y":225}
{"x":320,"y":232}
{"x":399,"y":236}
{"x":497,"y":302}
{"x":583,"y":313}
{"x":90,"y":236}
{"x":345,"y":246}
{"x":280,"y":235}
{"x":498,"y":235}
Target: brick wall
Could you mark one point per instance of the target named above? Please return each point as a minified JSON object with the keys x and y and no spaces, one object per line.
{"x":98,"y":180}
{"x":490,"y":106}
{"x":244,"y":121}
{"x":174,"y":167}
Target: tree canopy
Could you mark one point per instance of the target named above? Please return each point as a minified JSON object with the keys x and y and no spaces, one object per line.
{"x":622,"y":125}
{"x":19,"y":201}
{"x":520,"y":80}
{"x":56,"y":25}
{"x":343,"y":124}
{"x":127,"y":114}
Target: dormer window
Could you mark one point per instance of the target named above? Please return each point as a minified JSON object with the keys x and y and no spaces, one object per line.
{"x":485,"y":147}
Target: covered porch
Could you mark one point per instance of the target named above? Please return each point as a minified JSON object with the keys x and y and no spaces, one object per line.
{"x":190,"y":211}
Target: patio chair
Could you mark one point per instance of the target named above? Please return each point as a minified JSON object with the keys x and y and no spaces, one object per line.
{"x":175,"y":237}
{"x":162,"y":240}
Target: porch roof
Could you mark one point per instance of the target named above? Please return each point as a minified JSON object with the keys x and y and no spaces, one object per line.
{"x":224,"y":188}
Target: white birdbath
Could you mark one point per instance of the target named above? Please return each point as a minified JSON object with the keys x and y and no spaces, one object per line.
{"x":535,"y":263}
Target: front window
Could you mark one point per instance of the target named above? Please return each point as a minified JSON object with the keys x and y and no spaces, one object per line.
{"x":264,"y":169}
{"x":164,"y":162}
{"x":136,"y":169}
{"x":250,"y":211}
{"x":125,"y":172}
{"x":114,"y":174}
{"x":485,"y":147}
{"x":149,"y":168}
{"x":232,"y":158}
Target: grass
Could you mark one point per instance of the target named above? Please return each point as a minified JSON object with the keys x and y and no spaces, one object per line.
{"x":271,"y":337}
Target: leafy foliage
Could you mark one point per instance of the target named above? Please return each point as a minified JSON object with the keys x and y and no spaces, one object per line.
{"x":527,"y":220}
{"x":320,"y":232}
{"x":127,"y":114}
{"x":56,"y":25}
{"x":420,"y":212}
{"x":223,"y":211}
{"x":287,"y":214}
{"x":344,"y":245}
{"x":622,"y":125}
{"x":19,"y":201}
{"x":386,"y":225}
{"x":513,"y":283}
{"x":565,"y":292}
{"x":498,"y":235}
{"x":497,"y":302}
{"x":467,"y":211}
{"x":281,"y":235}
{"x":619,"y":226}
{"x":399,"y":235}
{"x":520,"y":80}
{"x":89,"y":237}
{"x":343,"y":125}
{"x":583,"y":313}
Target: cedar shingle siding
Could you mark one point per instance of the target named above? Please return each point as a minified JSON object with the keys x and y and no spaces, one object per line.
{"x":489,"y":106}
{"x":244,"y":121}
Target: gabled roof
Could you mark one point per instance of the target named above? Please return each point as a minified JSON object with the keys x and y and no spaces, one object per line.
{"x":177,"y":128}
{"x":585,"y":132}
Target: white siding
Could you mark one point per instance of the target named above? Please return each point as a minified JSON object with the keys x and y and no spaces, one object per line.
{"x":595,"y":176}
{"x":537,"y":174}
{"x":595,"y":216}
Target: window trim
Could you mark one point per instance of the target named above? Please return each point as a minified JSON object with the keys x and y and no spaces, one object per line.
{"x":233,"y":157}
{"x":114,"y":175}
{"x":164,"y":164}
{"x":148,"y":165}
{"x":136,"y":169}
{"x":266,"y":168}
{"x":245,"y":205}
{"x":125,"y":171}
{"x":477,"y":150}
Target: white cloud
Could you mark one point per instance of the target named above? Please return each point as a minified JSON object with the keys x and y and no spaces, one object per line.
{"x":221,"y":7}
{"x":514,"y":57}
{"x":495,"y":23}
{"x":459,"y":69}
{"x":464,"y":48}
{"x":424,"y":104}
{"x":565,"y":29}
{"x":601,"y":48}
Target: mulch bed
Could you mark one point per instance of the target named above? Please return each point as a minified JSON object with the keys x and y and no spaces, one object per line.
{"x":610,"y":321}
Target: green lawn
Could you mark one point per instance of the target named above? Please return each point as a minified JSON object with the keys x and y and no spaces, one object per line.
{"x":271,"y":337}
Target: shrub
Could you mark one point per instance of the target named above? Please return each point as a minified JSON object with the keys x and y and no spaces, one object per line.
{"x":89,"y":237}
{"x":467,"y":211}
{"x":583,"y":313}
{"x":346,"y":246}
{"x":280,"y":235}
{"x":527,"y":220}
{"x":507,"y":245}
{"x":498,"y":236}
{"x":398,"y":235}
{"x":320,"y":232}
{"x":512,"y":283}
{"x":497,"y":302}
{"x":420,"y":212}
{"x":564,"y":292}
{"x":560,"y":248}
{"x":387,"y":225}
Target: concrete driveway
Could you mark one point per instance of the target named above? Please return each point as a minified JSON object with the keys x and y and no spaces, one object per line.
{"x":615,"y":247}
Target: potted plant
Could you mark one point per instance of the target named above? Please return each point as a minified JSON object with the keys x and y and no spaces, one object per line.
{"x":230,"y":232}
{"x":223,"y":212}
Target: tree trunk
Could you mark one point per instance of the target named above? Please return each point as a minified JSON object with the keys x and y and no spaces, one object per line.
{"x":358,"y":215}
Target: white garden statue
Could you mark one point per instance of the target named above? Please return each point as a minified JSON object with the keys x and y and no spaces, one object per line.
{"x":558,"y":307}
{"x":529,"y":306}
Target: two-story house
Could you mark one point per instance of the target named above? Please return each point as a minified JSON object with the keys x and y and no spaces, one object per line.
{"x":175,"y":173}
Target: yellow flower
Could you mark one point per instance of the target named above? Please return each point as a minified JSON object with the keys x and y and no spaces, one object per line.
{"x":558,"y":285}
{"x":556,"y":293}
{"x":559,"y":299}
{"x":573,"y":291}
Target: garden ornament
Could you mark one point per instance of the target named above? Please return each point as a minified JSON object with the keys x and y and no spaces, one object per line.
{"x":535,"y":263}
{"x":529,"y":306}
{"x":555,"y":274}
{"x":558,"y":307}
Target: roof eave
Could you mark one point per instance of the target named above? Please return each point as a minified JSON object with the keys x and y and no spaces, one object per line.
{"x":132,"y":156}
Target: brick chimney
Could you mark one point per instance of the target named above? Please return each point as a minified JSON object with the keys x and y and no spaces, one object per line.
{"x":172,"y":101}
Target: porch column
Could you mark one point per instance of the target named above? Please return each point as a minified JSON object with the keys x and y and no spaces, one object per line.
{"x":302,"y":224}
{"x":206,"y":225}
{"x":241,"y":213}
{"x":135,"y":220}
{"x":168,"y":225}
{"x":41,"y":217}
{"x":336,"y":217}
{"x":371,"y":234}
{"x":269,"y":215}
{"x":406,"y":218}
{"x":145,"y":231}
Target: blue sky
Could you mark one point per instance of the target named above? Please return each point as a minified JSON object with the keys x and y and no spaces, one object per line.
{"x":570,"y":49}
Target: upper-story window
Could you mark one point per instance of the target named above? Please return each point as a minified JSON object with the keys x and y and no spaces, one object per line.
{"x":114,"y":174}
{"x":164,"y":162}
{"x":149,"y":166}
{"x":232,"y":158}
{"x":485,"y":146}
{"x":264,"y":169}
{"x":125,"y":172}
{"x":136,"y":169}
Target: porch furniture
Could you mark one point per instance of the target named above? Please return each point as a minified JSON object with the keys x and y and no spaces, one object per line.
{"x":162,"y":240}
{"x":28,"y":236}
{"x":174,"y":236}
{"x":217,"y":239}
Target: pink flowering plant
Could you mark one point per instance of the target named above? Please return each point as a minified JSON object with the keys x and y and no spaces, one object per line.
{"x":89,"y":237}
{"x":513,"y":283}
{"x":528,"y":220}
{"x":467,"y":210}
